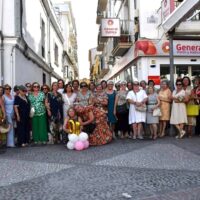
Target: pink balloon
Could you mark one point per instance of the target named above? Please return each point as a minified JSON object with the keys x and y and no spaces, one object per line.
{"x":86,"y":144}
{"x":79,"y":145}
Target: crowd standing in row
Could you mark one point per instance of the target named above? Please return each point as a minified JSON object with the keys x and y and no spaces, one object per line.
{"x":104,"y":110}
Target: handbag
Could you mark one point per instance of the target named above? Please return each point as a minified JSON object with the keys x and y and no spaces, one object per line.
{"x":32,"y":112}
{"x":121,"y":108}
{"x":89,"y":128}
{"x":157,"y":112}
{"x":192,"y":110}
{"x":142,"y":108}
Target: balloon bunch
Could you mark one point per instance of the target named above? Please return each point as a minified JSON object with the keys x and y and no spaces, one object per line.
{"x":77,"y":140}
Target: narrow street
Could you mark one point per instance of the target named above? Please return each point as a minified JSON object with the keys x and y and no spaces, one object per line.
{"x":125,"y":169}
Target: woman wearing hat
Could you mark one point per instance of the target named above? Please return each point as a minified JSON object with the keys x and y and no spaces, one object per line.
{"x":22,"y":110}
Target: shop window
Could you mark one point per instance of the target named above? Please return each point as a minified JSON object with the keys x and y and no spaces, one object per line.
{"x":181,"y":71}
{"x":195,"y":70}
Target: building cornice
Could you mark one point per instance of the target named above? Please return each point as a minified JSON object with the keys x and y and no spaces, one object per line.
{"x":51,"y":14}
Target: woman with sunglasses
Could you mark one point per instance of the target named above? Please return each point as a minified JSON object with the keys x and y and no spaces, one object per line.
{"x":56,"y":109}
{"x":178,"y":113}
{"x":39,"y":123}
{"x":8,"y":100}
{"x":22,"y":110}
{"x":84,"y":95}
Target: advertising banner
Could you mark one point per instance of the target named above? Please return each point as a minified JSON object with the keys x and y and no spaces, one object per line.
{"x":162,"y":47}
{"x":167,"y":7}
{"x":110,"y":27}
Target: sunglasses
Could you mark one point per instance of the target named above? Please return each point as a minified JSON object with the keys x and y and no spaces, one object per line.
{"x":44,"y":88}
{"x":36,"y":86}
{"x":7,"y":88}
{"x":83,"y":86}
{"x":179,"y":84}
{"x":28,"y":86}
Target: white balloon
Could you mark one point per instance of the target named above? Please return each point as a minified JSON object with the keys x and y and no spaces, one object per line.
{"x":83,"y":136}
{"x":73,"y":138}
{"x":70,"y":145}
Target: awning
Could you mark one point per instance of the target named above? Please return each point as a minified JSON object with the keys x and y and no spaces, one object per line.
{"x":183,"y":11}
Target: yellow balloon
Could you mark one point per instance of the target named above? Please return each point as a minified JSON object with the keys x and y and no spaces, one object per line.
{"x":72,"y":126}
{"x":78,"y":128}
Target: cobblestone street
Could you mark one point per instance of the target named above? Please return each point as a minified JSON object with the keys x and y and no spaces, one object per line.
{"x":165,"y":169}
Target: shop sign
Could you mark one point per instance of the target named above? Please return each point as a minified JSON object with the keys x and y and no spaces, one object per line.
{"x":167,"y":7}
{"x":186,"y":48}
{"x":110,"y":27}
{"x":156,"y":79}
{"x":162,"y":47}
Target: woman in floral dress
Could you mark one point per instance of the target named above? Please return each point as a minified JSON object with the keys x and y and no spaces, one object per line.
{"x":102,"y":133}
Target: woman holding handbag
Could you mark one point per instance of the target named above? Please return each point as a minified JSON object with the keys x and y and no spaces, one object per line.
{"x":121,"y":110}
{"x":179,"y":114}
{"x":153,"y":104}
{"x":39,"y":123}
{"x":165,"y":106}
{"x":8,"y":100}
{"x":137,"y":112}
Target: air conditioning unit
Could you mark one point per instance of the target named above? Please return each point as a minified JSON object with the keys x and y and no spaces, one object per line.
{"x":136,"y":13}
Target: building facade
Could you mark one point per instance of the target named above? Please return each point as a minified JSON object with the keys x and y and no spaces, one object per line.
{"x":65,"y":16}
{"x":32,"y":42}
{"x":141,"y":52}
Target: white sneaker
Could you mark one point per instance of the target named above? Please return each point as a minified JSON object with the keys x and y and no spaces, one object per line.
{"x":140,"y":137}
{"x":182,"y":133}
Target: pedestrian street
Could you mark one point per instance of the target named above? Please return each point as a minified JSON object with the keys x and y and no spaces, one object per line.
{"x":165,"y":169}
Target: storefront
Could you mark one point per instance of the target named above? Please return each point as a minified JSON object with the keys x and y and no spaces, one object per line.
{"x":152,"y":59}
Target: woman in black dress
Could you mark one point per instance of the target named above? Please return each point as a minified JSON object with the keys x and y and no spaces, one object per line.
{"x":22,"y":110}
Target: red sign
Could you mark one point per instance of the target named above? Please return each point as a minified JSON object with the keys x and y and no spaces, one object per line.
{"x":156,"y":79}
{"x":110,"y":27}
{"x":167,"y":8}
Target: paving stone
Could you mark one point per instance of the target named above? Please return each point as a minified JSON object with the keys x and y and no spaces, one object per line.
{"x":165,"y":169}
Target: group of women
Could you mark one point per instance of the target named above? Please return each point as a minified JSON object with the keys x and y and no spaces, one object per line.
{"x":105,"y":111}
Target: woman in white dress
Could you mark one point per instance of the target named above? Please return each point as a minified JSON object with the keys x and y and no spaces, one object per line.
{"x":178,"y":113}
{"x":69,"y":98}
{"x":136,"y":98}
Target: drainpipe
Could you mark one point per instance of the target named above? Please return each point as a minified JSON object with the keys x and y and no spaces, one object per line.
{"x":2,"y":46}
{"x":171,"y":56}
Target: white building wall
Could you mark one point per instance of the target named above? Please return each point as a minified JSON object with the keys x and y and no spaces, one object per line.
{"x":148,"y":30}
{"x":55,"y":40}
{"x":32,"y":25}
{"x":29,"y":69}
{"x":8,"y":17}
{"x":18,"y":68}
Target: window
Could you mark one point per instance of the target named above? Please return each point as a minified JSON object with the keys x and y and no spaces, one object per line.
{"x":44,"y":78}
{"x":56,"y":54}
{"x":43,"y":38}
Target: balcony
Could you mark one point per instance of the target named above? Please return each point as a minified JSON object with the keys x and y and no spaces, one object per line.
{"x":103,"y":72}
{"x":102,"y":4}
{"x":100,"y":38}
{"x":100,"y":15}
{"x":123,"y":43}
{"x":100,"y":47}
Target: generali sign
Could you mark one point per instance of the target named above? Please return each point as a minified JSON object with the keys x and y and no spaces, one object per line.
{"x":186,"y":48}
{"x":154,"y":48}
{"x":110,"y":27}
{"x":167,"y":7}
